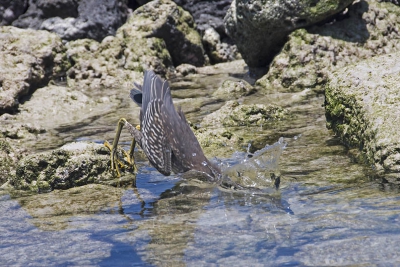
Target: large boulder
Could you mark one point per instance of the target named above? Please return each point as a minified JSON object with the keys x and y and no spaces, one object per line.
{"x":260,"y":28}
{"x":75,"y":19}
{"x":28,"y":60}
{"x":305,"y":62}
{"x":363,"y":109}
{"x":164,"y":19}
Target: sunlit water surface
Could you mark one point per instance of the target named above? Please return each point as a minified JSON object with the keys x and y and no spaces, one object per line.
{"x":328,"y":211}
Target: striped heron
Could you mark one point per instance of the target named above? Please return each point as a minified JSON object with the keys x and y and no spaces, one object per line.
{"x":164,"y":134}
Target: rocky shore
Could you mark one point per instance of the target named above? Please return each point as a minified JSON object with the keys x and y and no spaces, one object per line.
{"x":66,"y":64}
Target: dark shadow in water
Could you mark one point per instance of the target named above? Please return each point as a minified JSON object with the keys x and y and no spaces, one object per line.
{"x":122,"y":254}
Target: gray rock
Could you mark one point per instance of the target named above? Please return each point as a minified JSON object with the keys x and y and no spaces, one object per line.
{"x":75,"y":19}
{"x":164,"y":19}
{"x":207,"y":14}
{"x":309,"y":56}
{"x":28,"y":60}
{"x":185,"y":69}
{"x":218,"y":51}
{"x":363,"y":109}
{"x":260,"y":28}
{"x":11,"y":10}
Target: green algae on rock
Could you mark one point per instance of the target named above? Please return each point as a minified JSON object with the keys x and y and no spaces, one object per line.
{"x":74,"y":164}
{"x":260,"y":28}
{"x":7,"y":161}
{"x":363,"y":109}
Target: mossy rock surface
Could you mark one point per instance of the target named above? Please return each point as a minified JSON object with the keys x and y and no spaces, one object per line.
{"x":74,"y":164}
{"x":363,"y":108}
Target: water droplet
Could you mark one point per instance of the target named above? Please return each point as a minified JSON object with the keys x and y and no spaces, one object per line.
{"x":194,"y":154}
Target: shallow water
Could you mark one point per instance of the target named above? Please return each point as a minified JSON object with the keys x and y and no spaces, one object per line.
{"x":328,"y":211}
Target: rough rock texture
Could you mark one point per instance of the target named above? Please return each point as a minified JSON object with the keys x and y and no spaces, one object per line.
{"x":260,"y":28}
{"x":234,"y":114}
{"x":75,"y":19}
{"x":209,"y":17}
{"x":7,"y":161}
{"x":218,"y":51}
{"x":363,"y":108}
{"x":72,"y":165}
{"x":11,"y":10}
{"x":307,"y":59}
{"x":28,"y":60}
{"x":138,"y":45}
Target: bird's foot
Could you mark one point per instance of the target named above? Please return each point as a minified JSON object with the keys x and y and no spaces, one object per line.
{"x":116,"y":164}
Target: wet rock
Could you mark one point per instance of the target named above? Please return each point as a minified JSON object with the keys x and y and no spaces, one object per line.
{"x":73,"y":20}
{"x":74,"y":164}
{"x":362,"y":107}
{"x":28,"y":60}
{"x":222,"y":132}
{"x":234,"y":114}
{"x":11,"y":10}
{"x":218,"y":142}
{"x":234,"y":90}
{"x":260,"y":30}
{"x":309,"y":56}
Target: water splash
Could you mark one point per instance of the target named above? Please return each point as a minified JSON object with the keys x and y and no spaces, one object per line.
{"x":258,"y":169}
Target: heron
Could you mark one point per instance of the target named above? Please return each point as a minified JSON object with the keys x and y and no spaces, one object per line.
{"x":164,"y":133}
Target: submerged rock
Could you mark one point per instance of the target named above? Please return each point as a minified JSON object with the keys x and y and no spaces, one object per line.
{"x":309,"y":56}
{"x":363,"y":109}
{"x":72,"y":165}
{"x":260,"y":28}
{"x":28,"y":59}
{"x":233,"y":90}
{"x":235,"y":114}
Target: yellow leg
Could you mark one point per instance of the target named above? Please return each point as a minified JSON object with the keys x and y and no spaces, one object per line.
{"x":115,"y":162}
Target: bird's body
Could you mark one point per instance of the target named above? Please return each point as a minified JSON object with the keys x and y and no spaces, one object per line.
{"x":165,"y":136}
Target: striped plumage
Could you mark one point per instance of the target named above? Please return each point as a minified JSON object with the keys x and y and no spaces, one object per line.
{"x":165,"y":136}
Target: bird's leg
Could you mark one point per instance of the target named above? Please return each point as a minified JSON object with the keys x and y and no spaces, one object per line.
{"x":115,"y":162}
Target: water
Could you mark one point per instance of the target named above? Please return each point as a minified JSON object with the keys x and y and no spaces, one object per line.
{"x":328,"y":211}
